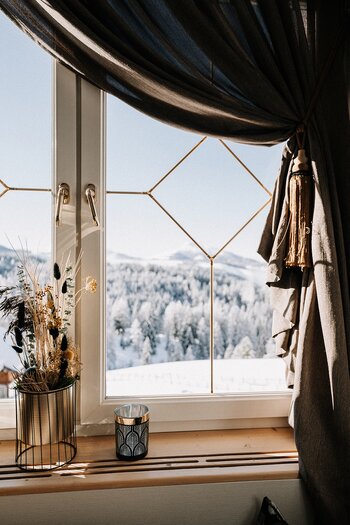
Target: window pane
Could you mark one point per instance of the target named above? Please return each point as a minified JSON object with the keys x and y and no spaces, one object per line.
{"x":158,"y":260}
{"x":157,"y":323}
{"x":25,"y":108}
{"x":25,"y":160}
{"x":245,"y":359}
{"x":211,"y":195}
{"x":140,"y":150}
{"x":263,"y":161}
{"x":242,"y":329}
{"x":25,"y":218}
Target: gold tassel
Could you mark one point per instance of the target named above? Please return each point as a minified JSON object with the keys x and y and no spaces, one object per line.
{"x":300,"y":194}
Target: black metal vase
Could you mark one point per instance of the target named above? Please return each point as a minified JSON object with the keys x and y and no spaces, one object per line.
{"x":131,"y":431}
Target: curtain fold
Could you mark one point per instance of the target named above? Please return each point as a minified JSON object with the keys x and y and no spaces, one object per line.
{"x":247,"y":70}
{"x":191,"y":71}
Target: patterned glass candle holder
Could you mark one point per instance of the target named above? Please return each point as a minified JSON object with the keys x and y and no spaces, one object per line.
{"x":131,"y":431}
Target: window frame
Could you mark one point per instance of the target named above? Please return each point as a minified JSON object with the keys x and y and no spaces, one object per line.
{"x":79,"y":130}
{"x":190,"y":412}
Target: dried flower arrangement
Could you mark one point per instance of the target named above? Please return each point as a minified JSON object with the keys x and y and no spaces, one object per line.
{"x":40,"y":318}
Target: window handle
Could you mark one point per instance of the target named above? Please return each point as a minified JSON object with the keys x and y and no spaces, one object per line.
{"x":63,"y":195}
{"x":90,"y":194}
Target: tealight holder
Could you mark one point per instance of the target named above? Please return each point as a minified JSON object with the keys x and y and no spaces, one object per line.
{"x":131,"y":431}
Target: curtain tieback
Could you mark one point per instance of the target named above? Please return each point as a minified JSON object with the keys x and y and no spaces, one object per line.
{"x":301,"y":181}
{"x":300,"y":203}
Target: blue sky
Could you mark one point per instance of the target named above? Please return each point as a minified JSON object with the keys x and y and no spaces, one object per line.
{"x":209,"y":194}
{"x":25,"y":137}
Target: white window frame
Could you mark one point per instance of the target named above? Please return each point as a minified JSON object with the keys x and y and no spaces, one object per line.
{"x":79,"y":159}
{"x":190,"y":412}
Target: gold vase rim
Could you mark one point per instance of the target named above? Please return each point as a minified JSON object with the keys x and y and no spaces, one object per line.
{"x":130,"y":419}
{"x":20,"y":391}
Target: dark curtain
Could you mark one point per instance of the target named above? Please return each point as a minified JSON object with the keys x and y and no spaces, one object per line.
{"x":251,"y":71}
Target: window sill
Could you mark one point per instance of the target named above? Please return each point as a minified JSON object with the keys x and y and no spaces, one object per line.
{"x":177,"y":458}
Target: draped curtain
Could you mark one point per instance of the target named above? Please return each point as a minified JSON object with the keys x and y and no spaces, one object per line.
{"x":251,"y":71}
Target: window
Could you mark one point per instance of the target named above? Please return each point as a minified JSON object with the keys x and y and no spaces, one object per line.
{"x":26,"y":170}
{"x":154,"y":244}
{"x":185,"y":314}
{"x":175,"y":338}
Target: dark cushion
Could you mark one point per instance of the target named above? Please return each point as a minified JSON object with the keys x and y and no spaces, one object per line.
{"x":269,"y":514}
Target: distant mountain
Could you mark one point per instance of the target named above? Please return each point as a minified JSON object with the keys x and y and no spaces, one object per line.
{"x":228,"y":262}
{"x":4,"y":250}
{"x":9,"y":263}
{"x":115,"y":257}
{"x":188,"y":253}
{"x":12,"y":253}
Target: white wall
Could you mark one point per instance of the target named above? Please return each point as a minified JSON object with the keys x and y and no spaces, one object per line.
{"x":210,"y":504}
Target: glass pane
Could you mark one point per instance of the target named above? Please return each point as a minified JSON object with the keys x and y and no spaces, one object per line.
{"x":25,"y":218}
{"x":25,"y":161}
{"x":211,"y":195}
{"x":247,"y":241}
{"x":263,"y":161}
{"x":25,"y":109}
{"x":140,"y":150}
{"x":157,"y":323}
{"x":243,"y":348}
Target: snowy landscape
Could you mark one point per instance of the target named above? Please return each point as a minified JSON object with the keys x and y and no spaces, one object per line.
{"x":157,"y":325}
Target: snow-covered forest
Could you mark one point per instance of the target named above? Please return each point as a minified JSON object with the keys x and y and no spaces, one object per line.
{"x":158,"y":311}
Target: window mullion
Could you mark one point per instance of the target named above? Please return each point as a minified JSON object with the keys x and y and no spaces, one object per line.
{"x":91,"y":335}
{"x":65,"y":166}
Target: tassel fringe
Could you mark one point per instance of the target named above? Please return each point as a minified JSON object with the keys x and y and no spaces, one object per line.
{"x":300,"y":199}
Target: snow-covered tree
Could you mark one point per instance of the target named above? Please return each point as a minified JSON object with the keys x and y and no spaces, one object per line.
{"x":175,"y":349}
{"x":229,"y":351}
{"x":203,"y":338}
{"x":149,"y":332}
{"x":171,"y":304}
{"x":244,"y":349}
{"x":218,"y":340}
{"x":189,"y":354}
{"x":270,"y":349}
{"x":187,"y":337}
{"x":145,"y":311}
{"x":136,"y":335}
{"x":146,"y":352}
{"x":120,"y":315}
{"x":171,"y":323}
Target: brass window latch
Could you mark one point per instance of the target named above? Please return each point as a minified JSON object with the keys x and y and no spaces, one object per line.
{"x":63,"y":196}
{"x":90,"y":193}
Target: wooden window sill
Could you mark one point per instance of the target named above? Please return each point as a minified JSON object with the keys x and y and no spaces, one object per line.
{"x":176,"y":458}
